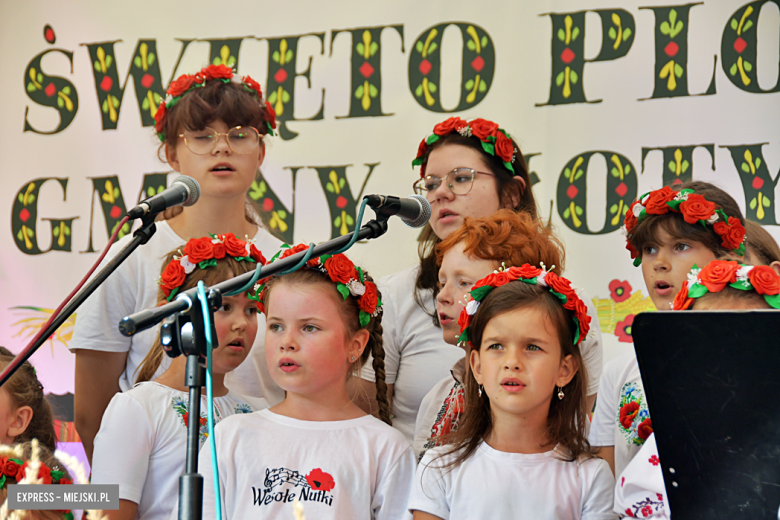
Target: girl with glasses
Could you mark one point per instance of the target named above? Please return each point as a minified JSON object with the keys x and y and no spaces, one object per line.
{"x":468,"y":169}
{"x":212,"y":127}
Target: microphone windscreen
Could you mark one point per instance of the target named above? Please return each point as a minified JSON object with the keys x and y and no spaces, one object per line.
{"x":192,"y":186}
{"x":425,"y":212}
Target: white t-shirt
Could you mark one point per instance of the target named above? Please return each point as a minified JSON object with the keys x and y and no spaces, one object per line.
{"x":621,"y":418}
{"x":640,"y":491}
{"x":495,"y":484}
{"x":417,"y":357}
{"x":142,"y":443}
{"x":440,"y":410}
{"x":355,"y":469}
{"x":133,"y":287}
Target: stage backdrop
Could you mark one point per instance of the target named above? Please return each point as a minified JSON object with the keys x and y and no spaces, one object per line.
{"x":607,"y":100}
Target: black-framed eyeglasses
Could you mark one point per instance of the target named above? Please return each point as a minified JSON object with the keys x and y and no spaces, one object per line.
{"x":241,"y":139}
{"x":459,"y":181}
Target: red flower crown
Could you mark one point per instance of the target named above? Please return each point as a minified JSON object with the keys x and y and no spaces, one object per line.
{"x":694,"y":208}
{"x":187,"y":82}
{"x":349,"y":280}
{"x":13,"y":468}
{"x":715,"y":276}
{"x":203,"y":253}
{"x":557,"y":285}
{"x":495,"y":141}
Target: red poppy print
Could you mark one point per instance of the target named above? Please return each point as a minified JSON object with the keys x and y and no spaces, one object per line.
{"x":623,"y":329}
{"x":619,"y":290}
{"x":320,"y":481}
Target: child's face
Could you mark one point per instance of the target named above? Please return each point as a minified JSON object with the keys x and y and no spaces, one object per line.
{"x":236,"y":324}
{"x":519,"y":363}
{"x":665,"y":266}
{"x":306,"y":344}
{"x":457,"y":275}
{"x":221,"y":173}
{"x":447,"y":209}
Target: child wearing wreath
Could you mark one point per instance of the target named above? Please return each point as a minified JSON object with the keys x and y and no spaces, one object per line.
{"x":212,"y":127}
{"x":668,"y":232}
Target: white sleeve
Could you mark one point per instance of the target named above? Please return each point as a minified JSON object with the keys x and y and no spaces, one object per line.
{"x":392,"y":350}
{"x":429,"y":492}
{"x":640,"y":489}
{"x":96,"y":320}
{"x":600,"y":489}
{"x":123,"y":446}
{"x":592,"y":348}
{"x":602,"y":428}
{"x":392,"y":493}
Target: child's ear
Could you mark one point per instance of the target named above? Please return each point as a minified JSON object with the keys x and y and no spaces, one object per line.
{"x":776,"y":266}
{"x":514,"y":196}
{"x":566,"y":371}
{"x":172,"y":157}
{"x":358,"y":344}
{"x":476,"y":366}
{"x":20,"y":420}
{"x":261,"y":156}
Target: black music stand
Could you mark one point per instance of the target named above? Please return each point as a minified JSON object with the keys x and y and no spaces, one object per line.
{"x":712,"y":381}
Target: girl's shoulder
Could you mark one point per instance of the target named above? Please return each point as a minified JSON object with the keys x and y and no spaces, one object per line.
{"x":246,"y":404}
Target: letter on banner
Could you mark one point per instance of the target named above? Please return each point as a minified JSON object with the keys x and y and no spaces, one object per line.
{"x":24,"y":216}
{"x":145,"y":71}
{"x":280,"y":94}
{"x":341,"y":203}
{"x":50,"y":91}
{"x":277,"y":218}
{"x":671,"y":52}
{"x":366,"y":89}
{"x":758,"y":185}
{"x":568,"y":51}
{"x":225,"y":52}
{"x":739,"y":48}
{"x":678,"y":162}
{"x":479,"y":64}
{"x":572,"y":192}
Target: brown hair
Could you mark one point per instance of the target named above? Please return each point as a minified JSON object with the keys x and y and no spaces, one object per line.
{"x":647,"y":232}
{"x":509,"y":237}
{"x":25,"y":390}
{"x":762,"y":248}
{"x":225,"y":269}
{"x":46,"y":456}
{"x":508,"y":191}
{"x":349,"y":311}
{"x":229,"y":102}
{"x":566,"y":417}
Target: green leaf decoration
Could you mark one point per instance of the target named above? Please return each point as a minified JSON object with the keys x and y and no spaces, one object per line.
{"x":104,"y":106}
{"x":275,"y":56}
{"x":482,"y":85}
{"x":748,"y":66}
{"x":373,"y":92}
{"x":109,"y":61}
{"x":488,"y":147}
{"x":56,"y":231}
{"x":40,"y":78}
{"x":66,"y":90}
{"x":678,"y":70}
{"x":431,"y":139}
{"x":272,"y":97}
{"x":207,"y":263}
{"x":665,"y":28}
{"x":373,"y":48}
{"x":484,"y":41}
{"x":509,"y":167}
{"x":697,"y":291}
{"x":627,"y":169}
{"x":150,"y":192}
{"x":360,"y":48}
{"x":282,"y":214}
{"x":578,"y":210}
{"x":285,"y":96}
{"x":758,"y":162}
{"x":773,"y":301}
{"x":137,"y":62}
{"x":614,"y":172}
{"x":579,"y":174}
{"x":115,"y":101}
{"x":31,"y":87}
{"x":468,"y":86}
{"x":150,"y":59}
{"x":216,"y":61}
{"x":741,"y":285}
{"x":31,"y":198}
{"x":613,"y":208}
{"x":330,"y":187}
{"x":744,"y":167}
{"x":464,"y":337}
{"x":20,"y":198}
{"x":432,"y":47}
{"x":561,"y":35}
{"x":734,"y":24}
{"x":342,"y":182}
{"x":343,"y":290}
{"x":733,"y":70}
{"x":432,"y":87}
{"x":19,"y":236}
{"x":559,"y":296}
{"x":566,"y":213}
{"x":672,"y":166}
{"x":574,"y":33}
{"x":574,"y":77}
{"x":685,"y":165}
{"x":419,"y":46}
{"x":359,"y":92}
{"x":766,"y":202}
{"x":365,"y":318}
{"x":337,"y":221}
{"x":612,"y":33}
{"x":351,"y":221}
{"x":60,"y":102}
{"x":288,"y":56}
{"x":753,"y":203}
{"x":418,"y":91}
{"x":97,"y":66}
{"x":471,"y":45}
{"x":559,"y":79}
{"x":480,"y":292}
{"x":626,"y":33}
{"x":145,"y":104}
{"x":231,"y":62}
{"x":747,"y":26}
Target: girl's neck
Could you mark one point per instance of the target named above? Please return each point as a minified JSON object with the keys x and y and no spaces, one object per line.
{"x":519,"y":434}
{"x":323,"y":406}
{"x":213,"y":215}
{"x":173,"y":377}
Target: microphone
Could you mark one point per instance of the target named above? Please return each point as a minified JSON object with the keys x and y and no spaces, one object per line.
{"x":183,"y":191}
{"x":415,"y":210}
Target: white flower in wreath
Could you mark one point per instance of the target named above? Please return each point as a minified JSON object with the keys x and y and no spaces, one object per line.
{"x":638,"y":208}
{"x":681,"y":196}
{"x":186,"y":264}
{"x":693,"y":277}
{"x":356,"y":288}
{"x":713,"y":219}
{"x":542,"y":279}
{"x":742,"y":273}
{"x":216,"y":240}
{"x":471,"y":307}
{"x":465,"y":131}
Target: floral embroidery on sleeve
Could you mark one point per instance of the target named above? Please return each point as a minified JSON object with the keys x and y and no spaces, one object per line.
{"x":448,"y":417}
{"x":181,"y":406}
{"x":633,"y":417}
{"x":242,"y":408}
{"x":646,"y":507}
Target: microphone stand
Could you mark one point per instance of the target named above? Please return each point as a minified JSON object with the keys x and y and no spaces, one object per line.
{"x":183,"y":332}
{"x":140,"y":236}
